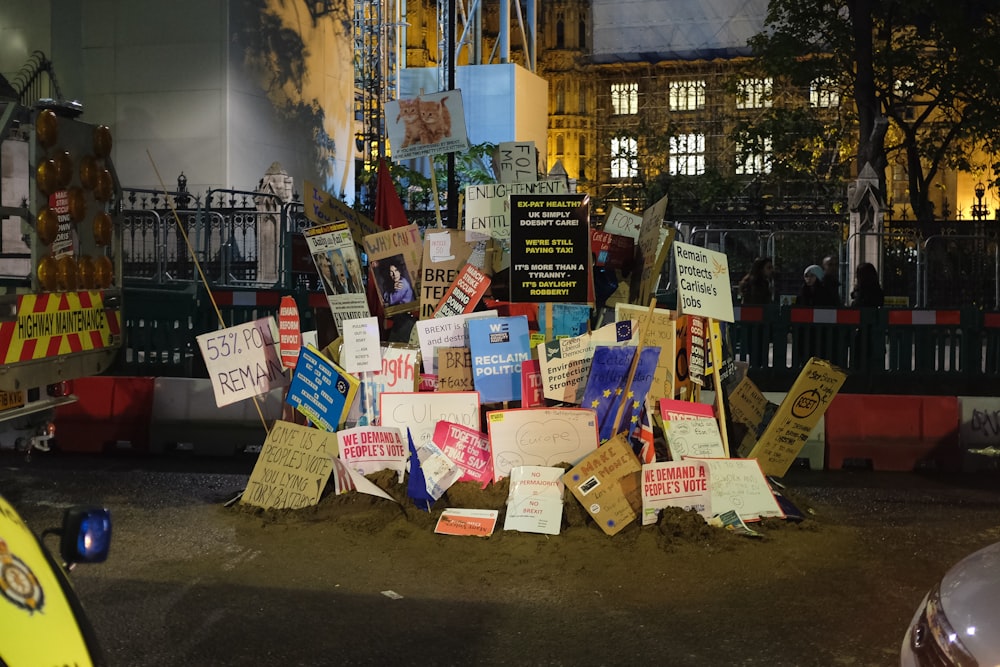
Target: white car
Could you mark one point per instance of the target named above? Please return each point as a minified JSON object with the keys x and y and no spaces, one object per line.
{"x":958,"y":623}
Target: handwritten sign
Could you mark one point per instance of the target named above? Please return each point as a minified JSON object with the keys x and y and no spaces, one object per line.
{"x":620,"y":221}
{"x":661,"y":327}
{"x":487,"y":208}
{"x":606,"y":483}
{"x":292,"y":468}
{"x":321,"y":207}
{"x":516,"y":162}
{"x":369,"y":449}
{"x":454,"y":367}
{"x":682,"y":484}
{"x":421,"y":411}
{"x":394,"y":258}
{"x":540,"y":436}
{"x":739,"y":484}
{"x":362,"y":350}
{"x":445,"y":254}
{"x":703,"y":282}
{"x":242,"y":361}
{"x":698,"y":437}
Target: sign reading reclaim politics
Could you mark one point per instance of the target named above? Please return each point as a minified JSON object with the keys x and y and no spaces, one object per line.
{"x":550,"y":248}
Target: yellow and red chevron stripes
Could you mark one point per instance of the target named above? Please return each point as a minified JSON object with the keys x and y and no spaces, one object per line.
{"x":54,"y":324}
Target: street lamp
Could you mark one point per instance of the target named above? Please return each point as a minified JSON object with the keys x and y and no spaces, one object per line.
{"x":979,"y":209}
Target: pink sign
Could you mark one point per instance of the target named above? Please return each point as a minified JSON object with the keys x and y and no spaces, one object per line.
{"x":671,"y":408}
{"x":531,"y":385}
{"x":468,"y":448}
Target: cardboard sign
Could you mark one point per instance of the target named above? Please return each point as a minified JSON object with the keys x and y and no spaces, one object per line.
{"x":661,"y":329}
{"x":421,"y":411}
{"x":498,"y":346}
{"x":607,"y":484}
{"x":535,"y":500}
{"x":539,"y":436}
{"x":362,"y":350}
{"x":648,"y":243}
{"x":681,"y":484}
{"x":454,"y":367}
{"x":516,"y":162}
{"x":797,"y":415}
{"x":322,"y":390}
{"x":288,"y":328}
{"x":739,"y":484}
{"x":550,"y":248}
{"x":321,"y":208}
{"x":464,"y":293}
{"x":292,"y":468}
{"x":620,"y":221}
{"x":242,"y":360}
{"x":703,"y":282}
{"x":468,"y":448}
{"x":746,"y":406}
{"x":487,"y":209}
{"x":426,"y":125}
{"x":444,"y":332}
{"x":698,"y":437}
{"x":445,"y":254}
{"x":466,"y":522}
{"x":369,"y":449}
{"x":394,"y":265}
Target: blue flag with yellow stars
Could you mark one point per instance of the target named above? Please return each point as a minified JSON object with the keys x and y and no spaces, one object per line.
{"x":605,"y":388}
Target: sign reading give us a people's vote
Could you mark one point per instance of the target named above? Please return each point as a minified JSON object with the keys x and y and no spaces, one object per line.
{"x":242,"y":361}
{"x":703,"y":282}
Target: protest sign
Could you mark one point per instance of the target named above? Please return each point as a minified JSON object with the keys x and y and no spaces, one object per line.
{"x":648,"y":242}
{"x":321,"y":390}
{"x":568,"y":319}
{"x":394,"y":265}
{"x":607,"y":484}
{"x":703,"y":282}
{"x":698,"y":437}
{"x":606,"y":386}
{"x":739,"y":484}
{"x":747,"y":405}
{"x":682,"y":484}
{"x":336,"y":258}
{"x":288,"y":328}
{"x":454,"y":369}
{"x":620,"y":221}
{"x":426,"y":125}
{"x":539,"y":436}
{"x":242,"y":361}
{"x":612,"y":251}
{"x":440,"y":472}
{"x":444,"y":332}
{"x":696,"y":349}
{"x":362,"y":350}
{"x":369,"y":449}
{"x":797,"y":416}
{"x":682,"y":372}
{"x":445,"y":253}
{"x":672,"y":409}
{"x":464,"y":293}
{"x":400,"y":370}
{"x":565,"y":366}
{"x":516,"y":162}
{"x":487,"y":208}
{"x":421,"y":411}
{"x":550,"y":248}
{"x":535,"y":500}
{"x":466,"y":522}
{"x":468,"y":448}
{"x":660,"y":327}
{"x":498,"y":346}
{"x":292,"y":468}
{"x":531,"y":384}
{"x":322,"y":208}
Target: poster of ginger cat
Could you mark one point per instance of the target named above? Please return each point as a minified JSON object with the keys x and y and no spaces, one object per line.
{"x":436,"y":120}
{"x":409,"y":114}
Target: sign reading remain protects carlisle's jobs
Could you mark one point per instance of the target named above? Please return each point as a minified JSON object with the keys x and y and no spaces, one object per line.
{"x":703,"y":282}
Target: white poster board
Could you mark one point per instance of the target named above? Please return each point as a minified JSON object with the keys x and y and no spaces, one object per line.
{"x":703,"y":285}
{"x":540,"y":437}
{"x":698,"y":437}
{"x":739,"y":484}
{"x":421,"y":411}
{"x":451,"y":331}
{"x":243,"y":361}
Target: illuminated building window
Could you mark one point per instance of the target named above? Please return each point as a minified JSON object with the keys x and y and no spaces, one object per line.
{"x":624,"y":98}
{"x":687,"y":95}
{"x":624,"y":157}
{"x":754,"y":160}
{"x":823,"y":93}
{"x":754,"y":93}
{"x":687,"y":155}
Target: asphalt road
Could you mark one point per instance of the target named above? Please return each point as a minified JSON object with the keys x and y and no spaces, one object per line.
{"x":192,"y":583}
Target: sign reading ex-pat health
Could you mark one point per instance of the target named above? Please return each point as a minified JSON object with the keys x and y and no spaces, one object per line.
{"x":550,"y":248}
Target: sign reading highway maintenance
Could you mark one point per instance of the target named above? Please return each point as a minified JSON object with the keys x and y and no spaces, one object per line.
{"x":550,"y":248}
{"x":49,"y":325}
{"x":703,"y":282}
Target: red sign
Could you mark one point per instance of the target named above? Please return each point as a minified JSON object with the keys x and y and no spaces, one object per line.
{"x":611,"y":250}
{"x":288,"y":329}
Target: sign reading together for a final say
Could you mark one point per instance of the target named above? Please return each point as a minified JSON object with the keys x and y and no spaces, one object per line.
{"x":550,"y":248}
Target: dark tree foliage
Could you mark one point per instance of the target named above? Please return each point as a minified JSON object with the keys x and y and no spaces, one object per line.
{"x":919,"y":84}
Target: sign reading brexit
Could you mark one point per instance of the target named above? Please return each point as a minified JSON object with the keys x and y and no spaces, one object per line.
{"x":550,"y":248}
{"x":703,"y":282}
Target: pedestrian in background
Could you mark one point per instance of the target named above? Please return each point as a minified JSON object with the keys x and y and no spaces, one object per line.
{"x":813,"y":293}
{"x":755,"y":286}
{"x":867,"y":291}
{"x":831,"y":279}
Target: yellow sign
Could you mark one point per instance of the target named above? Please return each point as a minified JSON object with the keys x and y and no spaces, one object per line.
{"x":58,"y":323}
{"x":321,"y":208}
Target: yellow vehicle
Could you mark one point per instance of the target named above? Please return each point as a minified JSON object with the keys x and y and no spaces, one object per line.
{"x":60,"y":262}
{"x":42,"y":619}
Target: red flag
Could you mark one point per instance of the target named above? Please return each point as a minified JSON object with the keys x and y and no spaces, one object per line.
{"x":389,"y":214}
